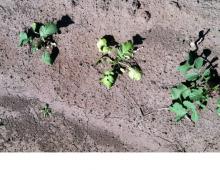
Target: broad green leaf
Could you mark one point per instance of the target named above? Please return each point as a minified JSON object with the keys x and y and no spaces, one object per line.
{"x":23,"y":38}
{"x":181,"y":87}
{"x":135,"y":73}
{"x":179,"y":110}
{"x":195,"y":117}
{"x":196,"y":94}
{"x":192,"y":76}
{"x":48,"y":29}
{"x":46,"y":58}
{"x":186,"y":93}
{"x":127,"y":47}
{"x":108,"y":79}
{"x":184,"y":68}
{"x":189,"y":105}
{"x":175,"y":93}
{"x":198,"y":63}
{"x":125,"y":50}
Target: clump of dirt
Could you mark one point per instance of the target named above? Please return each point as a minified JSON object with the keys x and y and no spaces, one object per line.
{"x":132,"y":116}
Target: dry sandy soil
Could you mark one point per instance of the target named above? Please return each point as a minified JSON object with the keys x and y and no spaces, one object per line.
{"x":87,"y":117}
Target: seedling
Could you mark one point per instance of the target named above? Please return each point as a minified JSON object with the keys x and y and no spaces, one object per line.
{"x":191,"y":96}
{"x":46,"y":110}
{"x":40,"y":36}
{"x":121,"y":60}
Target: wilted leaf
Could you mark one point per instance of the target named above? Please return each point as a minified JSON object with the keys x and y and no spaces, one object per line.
{"x":135,"y":73}
{"x":34,"y":26}
{"x":102,"y":42}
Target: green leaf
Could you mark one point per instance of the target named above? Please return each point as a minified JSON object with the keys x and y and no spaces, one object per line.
{"x":102,"y":42}
{"x":207,"y":74}
{"x":106,"y":50}
{"x":179,"y":110}
{"x":34,"y":26}
{"x":195,"y":117}
{"x":184,"y":68}
{"x":46,"y":58}
{"x":108,"y":79}
{"x":186,"y":93}
{"x":23,"y":38}
{"x":134,"y":73}
{"x":48,"y":29}
{"x":201,"y":105}
{"x":189,"y":105}
{"x":175,"y":93}
{"x":192,"y":76}
{"x":196,"y":94}
{"x":127,"y":47}
{"x":126,"y":50}
{"x":198,"y":63}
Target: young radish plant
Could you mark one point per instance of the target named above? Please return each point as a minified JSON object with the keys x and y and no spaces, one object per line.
{"x":40,"y":36}
{"x":201,"y":84}
{"x":121,"y":60}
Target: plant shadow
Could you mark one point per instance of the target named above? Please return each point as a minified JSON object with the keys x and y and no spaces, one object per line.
{"x":137,"y":39}
{"x":111,"y":40}
{"x":54,"y":54}
{"x":65,"y":21}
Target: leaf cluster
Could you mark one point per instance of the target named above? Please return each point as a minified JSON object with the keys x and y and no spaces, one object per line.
{"x":46,"y":110}
{"x":192,"y":95}
{"x":120,"y":57}
{"x":40,"y":36}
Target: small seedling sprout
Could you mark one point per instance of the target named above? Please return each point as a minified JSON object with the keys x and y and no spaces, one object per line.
{"x":46,"y":110}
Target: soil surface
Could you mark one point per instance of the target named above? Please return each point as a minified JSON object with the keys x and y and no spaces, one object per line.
{"x":130,"y":117}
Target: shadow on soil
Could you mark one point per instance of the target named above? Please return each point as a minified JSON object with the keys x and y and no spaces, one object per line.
{"x":65,"y":21}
